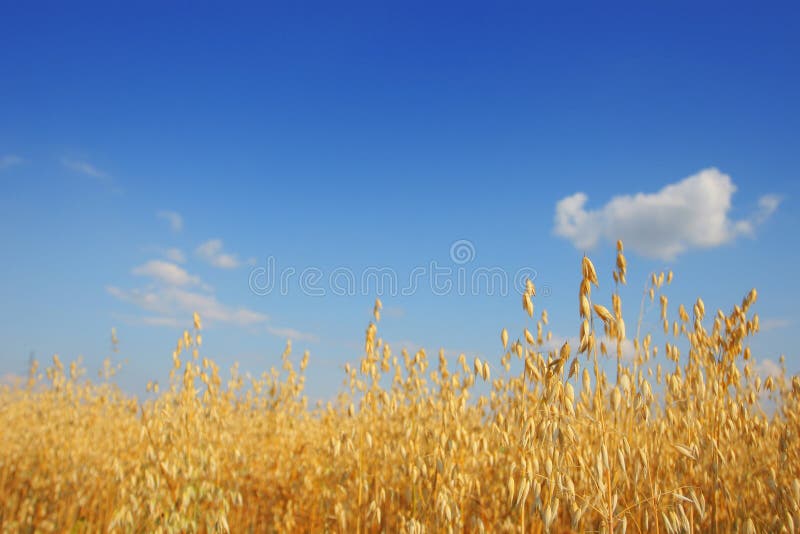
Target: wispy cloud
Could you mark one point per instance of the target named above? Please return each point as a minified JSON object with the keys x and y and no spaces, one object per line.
{"x":175,"y":254}
{"x":11,"y":379}
{"x":556,"y":341}
{"x":172,"y":295}
{"x":87,"y":169}
{"x":171,"y":322}
{"x":211,"y":251}
{"x":84,"y":167}
{"x":395,"y":312}
{"x":155,"y":320}
{"x":767,"y":205}
{"x":411,"y":346}
{"x":628,"y":349}
{"x":692,"y":213}
{"x":774,"y":323}
{"x":175,"y":302}
{"x":10,"y":160}
{"x":166,"y":272}
{"x":173,"y":218}
{"x":291,"y":333}
{"x":767,"y":367}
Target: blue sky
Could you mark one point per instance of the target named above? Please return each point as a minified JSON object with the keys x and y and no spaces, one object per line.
{"x":153,"y":157}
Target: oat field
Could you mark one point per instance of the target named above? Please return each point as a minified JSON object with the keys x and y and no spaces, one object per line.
{"x":684,"y":436}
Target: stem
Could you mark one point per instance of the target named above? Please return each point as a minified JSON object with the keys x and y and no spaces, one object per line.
{"x":358,"y":481}
{"x":610,"y":501}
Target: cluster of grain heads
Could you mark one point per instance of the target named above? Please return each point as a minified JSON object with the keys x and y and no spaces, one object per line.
{"x":676,"y":442}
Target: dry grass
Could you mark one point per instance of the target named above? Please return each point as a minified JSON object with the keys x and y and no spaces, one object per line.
{"x":411,"y":446}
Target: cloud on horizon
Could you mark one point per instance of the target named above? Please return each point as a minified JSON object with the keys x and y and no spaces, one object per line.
{"x":767,"y":367}
{"x":692,"y":213}
{"x":774,"y":323}
{"x":12,"y":379}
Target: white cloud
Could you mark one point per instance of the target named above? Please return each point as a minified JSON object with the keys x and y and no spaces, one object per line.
{"x":10,"y":160}
{"x":176,"y":302}
{"x":692,"y":213}
{"x":172,"y":295}
{"x":453,"y":354}
{"x":395,"y":312}
{"x":87,"y":169}
{"x":172,"y":322}
{"x":767,"y":367}
{"x":11,"y":379}
{"x":211,"y":251}
{"x":411,"y":346}
{"x":767,"y":205}
{"x":557,"y":341}
{"x":84,"y":168}
{"x":173,"y":218}
{"x":175,"y":254}
{"x":166,"y":272}
{"x":292,"y":334}
{"x":774,"y":323}
{"x":628,"y":349}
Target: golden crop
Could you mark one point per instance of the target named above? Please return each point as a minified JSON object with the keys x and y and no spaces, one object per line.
{"x":419,"y":444}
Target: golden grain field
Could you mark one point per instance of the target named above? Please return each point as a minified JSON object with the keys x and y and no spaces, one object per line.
{"x":536,"y":441}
